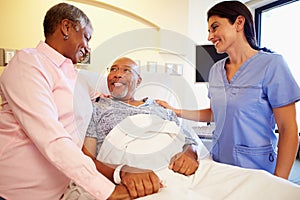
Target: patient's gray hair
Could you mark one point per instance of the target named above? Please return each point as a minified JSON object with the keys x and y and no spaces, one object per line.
{"x":63,"y":11}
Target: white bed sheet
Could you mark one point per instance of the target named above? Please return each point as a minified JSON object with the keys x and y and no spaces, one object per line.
{"x":212,"y":180}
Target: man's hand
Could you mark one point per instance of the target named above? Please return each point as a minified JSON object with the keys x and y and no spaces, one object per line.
{"x":140,"y":182}
{"x":185,"y":162}
{"x":120,"y":193}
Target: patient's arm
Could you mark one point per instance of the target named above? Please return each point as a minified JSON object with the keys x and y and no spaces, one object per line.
{"x":185,"y":162}
{"x":139,"y":182}
{"x":106,"y":169}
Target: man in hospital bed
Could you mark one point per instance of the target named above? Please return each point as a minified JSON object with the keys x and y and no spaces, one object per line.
{"x":141,"y":134}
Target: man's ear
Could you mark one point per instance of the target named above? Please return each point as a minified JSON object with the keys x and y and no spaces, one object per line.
{"x":239,"y":23}
{"x":139,"y":81}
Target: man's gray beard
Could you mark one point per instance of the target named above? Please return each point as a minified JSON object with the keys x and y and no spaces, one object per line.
{"x":119,"y":95}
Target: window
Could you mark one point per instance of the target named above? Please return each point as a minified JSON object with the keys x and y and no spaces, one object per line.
{"x":277,"y":27}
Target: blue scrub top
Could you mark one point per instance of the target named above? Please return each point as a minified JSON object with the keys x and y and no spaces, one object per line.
{"x":244,"y":134}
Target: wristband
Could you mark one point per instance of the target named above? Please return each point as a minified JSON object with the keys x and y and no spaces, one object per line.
{"x":116,"y":176}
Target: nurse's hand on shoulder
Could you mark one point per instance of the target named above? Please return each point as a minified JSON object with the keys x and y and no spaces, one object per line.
{"x":164,"y":104}
{"x":140,"y":182}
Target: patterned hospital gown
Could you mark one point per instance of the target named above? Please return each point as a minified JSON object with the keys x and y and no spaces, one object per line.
{"x":107,"y":113}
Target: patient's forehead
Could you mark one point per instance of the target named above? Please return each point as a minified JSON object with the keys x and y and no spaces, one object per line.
{"x":126,"y":62}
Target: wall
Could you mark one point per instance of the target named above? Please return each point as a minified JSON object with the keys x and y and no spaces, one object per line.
{"x":23,"y":28}
{"x":186,"y":19}
{"x":17,"y":23}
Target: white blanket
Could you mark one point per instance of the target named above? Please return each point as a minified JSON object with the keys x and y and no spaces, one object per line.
{"x":148,"y":142}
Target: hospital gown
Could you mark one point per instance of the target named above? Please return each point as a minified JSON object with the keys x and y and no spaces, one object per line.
{"x":107,"y":113}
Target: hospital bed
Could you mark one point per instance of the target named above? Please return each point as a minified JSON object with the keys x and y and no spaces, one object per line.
{"x":211,"y":181}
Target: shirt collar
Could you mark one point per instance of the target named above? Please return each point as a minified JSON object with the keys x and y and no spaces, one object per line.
{"x":53,"y":55}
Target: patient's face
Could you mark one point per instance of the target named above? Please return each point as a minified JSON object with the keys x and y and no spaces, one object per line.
{"x":123,"y":79}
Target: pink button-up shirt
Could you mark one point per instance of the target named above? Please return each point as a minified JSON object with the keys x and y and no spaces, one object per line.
{"x":40,"y":142}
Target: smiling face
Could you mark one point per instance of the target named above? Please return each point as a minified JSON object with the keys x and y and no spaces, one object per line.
{"x":77,"y":45}
{"x":68,"y":30}
{"x":123,"y":79}
{"x":222,"y":33}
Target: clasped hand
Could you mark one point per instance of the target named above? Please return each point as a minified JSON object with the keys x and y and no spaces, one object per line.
{"x":143,"y":182}
{"x":185,"y":162}
{"x":136,"y":183}
{"x":140,"y":182}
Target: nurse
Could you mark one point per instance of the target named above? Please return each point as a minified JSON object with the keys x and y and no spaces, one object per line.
{"x":250,"y":91}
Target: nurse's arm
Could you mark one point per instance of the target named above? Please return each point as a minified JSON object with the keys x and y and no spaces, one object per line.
{"x":204,"y":115}
{"x":288,"y":139}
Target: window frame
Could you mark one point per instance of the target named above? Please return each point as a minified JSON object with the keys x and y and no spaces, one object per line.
{"x":260,"y":10}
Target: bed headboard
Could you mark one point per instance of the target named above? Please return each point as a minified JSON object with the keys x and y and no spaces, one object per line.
{"x":171,"y":88}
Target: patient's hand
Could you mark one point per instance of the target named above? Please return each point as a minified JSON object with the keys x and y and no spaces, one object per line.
{"x":120,"y":193}
{"x":185,"y":162}
{"x":140,"y":182}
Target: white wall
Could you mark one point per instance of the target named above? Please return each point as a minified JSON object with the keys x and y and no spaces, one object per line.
{"x":21,"y":21}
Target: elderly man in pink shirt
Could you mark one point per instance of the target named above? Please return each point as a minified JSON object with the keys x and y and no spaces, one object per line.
{"x":40,"y":143}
